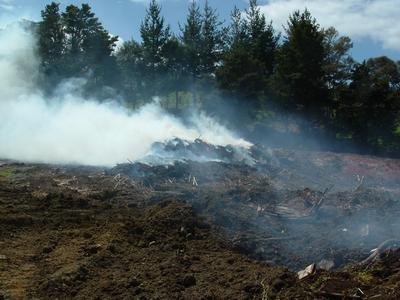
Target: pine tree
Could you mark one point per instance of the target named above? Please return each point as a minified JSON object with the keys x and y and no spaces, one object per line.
{"x":155,"y":35}
{"x":236,"y":31}
{"x":300,"y":71}
{"x":88,"y":47}
{"x":191,"y":39}
{"x":212,"y":41}
{"x":338,"y":63}
{"x":261,"y":37}
{"x":131,"y":63}
{"x":250,"y":61}
{"x":337,"y":68}
{"x":176,"y":79}
{"x":83,"y":29}
{"x":51,"y":40}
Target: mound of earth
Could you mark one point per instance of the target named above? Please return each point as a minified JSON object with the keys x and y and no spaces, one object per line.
{"x":69,"y":234}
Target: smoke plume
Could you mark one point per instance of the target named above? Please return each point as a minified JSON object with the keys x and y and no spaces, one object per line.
{"x":68,"y":128}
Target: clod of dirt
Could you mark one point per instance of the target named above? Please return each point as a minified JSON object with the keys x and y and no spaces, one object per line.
{"x":187,"y":281}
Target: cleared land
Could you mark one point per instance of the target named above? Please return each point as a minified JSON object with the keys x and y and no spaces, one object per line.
{"x":232,"y":232}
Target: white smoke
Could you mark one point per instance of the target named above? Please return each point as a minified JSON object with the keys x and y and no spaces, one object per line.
{"x":72,"y":130}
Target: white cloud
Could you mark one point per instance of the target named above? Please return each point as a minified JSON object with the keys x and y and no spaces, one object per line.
{"x":140,"y":1}
{"x":374,"y":19}
{"x":148,"y":1}
{"x":7,"y":5}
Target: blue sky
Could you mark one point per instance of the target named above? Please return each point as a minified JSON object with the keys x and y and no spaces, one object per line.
{"x":373,"y":25}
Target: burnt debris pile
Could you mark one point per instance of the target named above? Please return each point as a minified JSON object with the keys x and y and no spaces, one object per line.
{"x":282,"y":207}
{"x":181,"y":150}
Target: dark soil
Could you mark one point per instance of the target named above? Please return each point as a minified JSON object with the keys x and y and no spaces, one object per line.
{"x":196,"y":230}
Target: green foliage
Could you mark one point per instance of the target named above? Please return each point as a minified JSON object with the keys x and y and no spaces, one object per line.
{"x":212,"y":41}
{"x":337,"y":68}
{"x":7,"y":172}
{"x":370,"y":107}
{"x":203,"y":39}
{"x":338,"y":63}
{"x":155,"y":35}
{"x":51,"y":39}
{"x":176,"y":79}
{"x":74,"y":43}
{"x":191,"y":39}
{"x":88,"y":44}
{"x":299,"y":77}
{"x":249,"y":63}
{"x":260,"y":37}
{"x":242,"y":75}
{"x":131,"y":64}
{"x":308,"y":75}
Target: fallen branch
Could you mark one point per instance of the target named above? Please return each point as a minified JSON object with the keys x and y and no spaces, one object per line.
{"x":360,"y":180}
{"x":386,"y":245}
{"x":195,"y":181}
{"x":321,"y":200}
{"x":336,"y":295}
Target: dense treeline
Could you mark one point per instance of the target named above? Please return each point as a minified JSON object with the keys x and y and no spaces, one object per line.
{"x":301,"y":83}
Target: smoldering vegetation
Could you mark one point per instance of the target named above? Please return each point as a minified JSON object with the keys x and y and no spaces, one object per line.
{"x":285,"y":207}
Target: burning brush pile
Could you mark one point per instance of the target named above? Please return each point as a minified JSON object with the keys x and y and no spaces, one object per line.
{"x":182,"y":150}
{"x":276,"y":207}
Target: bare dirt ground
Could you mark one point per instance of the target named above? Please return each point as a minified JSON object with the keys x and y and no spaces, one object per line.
{"x":200,"y":230}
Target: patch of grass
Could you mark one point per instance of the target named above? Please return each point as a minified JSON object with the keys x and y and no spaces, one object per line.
{"x":319,"y":282}
{"x":265,"y":291}
{"x":7,"y":172}
{"x":365,"y":278}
